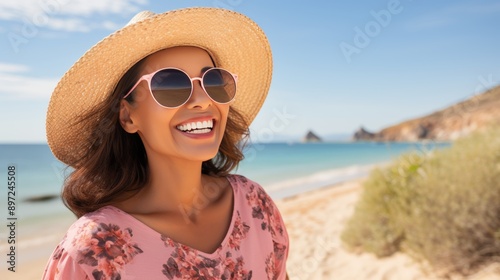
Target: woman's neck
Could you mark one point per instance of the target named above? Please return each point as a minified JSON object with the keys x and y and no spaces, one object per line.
{"x":175,"y":185}
{"x":174,"y":181}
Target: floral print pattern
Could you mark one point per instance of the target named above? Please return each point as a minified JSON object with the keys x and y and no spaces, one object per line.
{"x":264,"y":210}
{"x":240,"y":230}
{"x":59,"y":249}
{"x":105,"y":246}
{"x":186,"y":263}
{"x":275,"y":260}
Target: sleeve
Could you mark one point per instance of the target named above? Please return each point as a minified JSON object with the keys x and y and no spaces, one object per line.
{"x":279,"y":225}
{"x":62,"y":266}
{"x":282,"y":245}
{"x":267,"y":210}
{"x":96,"y":246}
{"x":271,"y":212}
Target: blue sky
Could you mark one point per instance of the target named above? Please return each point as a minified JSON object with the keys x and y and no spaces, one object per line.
{"x":338,"y":65}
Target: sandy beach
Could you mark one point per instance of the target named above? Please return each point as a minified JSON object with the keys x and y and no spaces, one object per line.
{"x":314,"y":221}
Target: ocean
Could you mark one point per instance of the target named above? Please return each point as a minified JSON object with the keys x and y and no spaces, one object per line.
{"x":283,"y":169}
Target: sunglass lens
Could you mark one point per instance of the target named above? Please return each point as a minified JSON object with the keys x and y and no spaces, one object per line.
{"x":171,"y":87}
{"x":220,"y":85}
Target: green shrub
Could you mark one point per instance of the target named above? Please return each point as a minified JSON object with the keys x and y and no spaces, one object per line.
{"x":444,"y":208}
{"x":377,"y":223}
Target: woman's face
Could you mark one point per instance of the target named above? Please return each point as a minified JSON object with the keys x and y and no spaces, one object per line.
{"x":159,"y":127}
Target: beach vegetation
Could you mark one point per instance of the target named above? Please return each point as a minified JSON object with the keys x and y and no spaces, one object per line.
{"x":442,"y":207}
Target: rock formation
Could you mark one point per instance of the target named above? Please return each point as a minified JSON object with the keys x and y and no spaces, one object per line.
{"x":444,"y":125}
{"x":311,"y":137}
{"x":363,"y":135}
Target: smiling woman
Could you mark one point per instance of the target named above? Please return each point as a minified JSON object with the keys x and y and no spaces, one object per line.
{"x":151,"y":119}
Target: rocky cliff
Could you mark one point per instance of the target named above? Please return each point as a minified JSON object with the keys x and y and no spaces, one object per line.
{"x":444,"y":125}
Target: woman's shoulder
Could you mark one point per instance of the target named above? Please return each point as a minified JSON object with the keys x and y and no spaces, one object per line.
{"x":103,"y":215}
{"x":250,"y":190}
{"x":90,"y":241}
{"x":257,"y":206}
{"x":96,"y":227}
{"x":243,"y":182}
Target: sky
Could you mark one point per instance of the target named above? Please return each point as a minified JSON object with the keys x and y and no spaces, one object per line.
{"x":338,"y":65}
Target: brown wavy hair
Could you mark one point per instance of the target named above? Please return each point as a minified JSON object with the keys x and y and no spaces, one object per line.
{"x":115,"y":167}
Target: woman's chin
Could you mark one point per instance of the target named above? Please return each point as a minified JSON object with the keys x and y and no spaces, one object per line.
{"x":200,"y":154}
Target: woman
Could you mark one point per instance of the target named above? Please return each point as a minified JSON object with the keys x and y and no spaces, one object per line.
{"x":151,"y":119}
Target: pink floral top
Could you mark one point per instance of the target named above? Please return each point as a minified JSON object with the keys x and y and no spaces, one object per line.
{"x":111,"y":244}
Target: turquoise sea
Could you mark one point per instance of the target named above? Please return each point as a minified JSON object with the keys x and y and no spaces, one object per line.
{"x":283,"y":169}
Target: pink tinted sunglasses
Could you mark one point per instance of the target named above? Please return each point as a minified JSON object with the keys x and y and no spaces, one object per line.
{"x":172,"y":87}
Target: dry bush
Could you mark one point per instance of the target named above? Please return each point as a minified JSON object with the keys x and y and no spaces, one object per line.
{"x":443,"y":208}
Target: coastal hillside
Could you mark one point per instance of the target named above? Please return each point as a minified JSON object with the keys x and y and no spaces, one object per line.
{"x":444,"y":125}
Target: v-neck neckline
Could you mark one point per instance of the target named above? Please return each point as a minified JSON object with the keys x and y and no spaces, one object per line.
{"x":160,"y":235}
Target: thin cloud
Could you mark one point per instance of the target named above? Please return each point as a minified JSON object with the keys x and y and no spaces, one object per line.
{"x":17,"y":85}
{"x":13,"y":68}
{"x":68,"y":15}
{"x":88,"y":8}
{"x":71,"y":25}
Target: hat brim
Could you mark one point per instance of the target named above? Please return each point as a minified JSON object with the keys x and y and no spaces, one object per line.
{"x":234,"y":41}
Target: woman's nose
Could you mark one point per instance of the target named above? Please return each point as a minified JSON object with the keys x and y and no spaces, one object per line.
{"x":199,"y":98}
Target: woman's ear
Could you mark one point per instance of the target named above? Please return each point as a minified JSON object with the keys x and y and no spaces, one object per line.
{"x":125,"y":119}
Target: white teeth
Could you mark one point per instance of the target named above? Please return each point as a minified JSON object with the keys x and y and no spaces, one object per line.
{"x":199,"y":131}
{"x":197,"y":127}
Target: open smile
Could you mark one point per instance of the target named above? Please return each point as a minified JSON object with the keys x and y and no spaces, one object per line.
{"x":197,"y":127}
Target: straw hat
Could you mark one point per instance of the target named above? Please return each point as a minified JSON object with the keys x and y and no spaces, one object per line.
{"x":233,"y":40}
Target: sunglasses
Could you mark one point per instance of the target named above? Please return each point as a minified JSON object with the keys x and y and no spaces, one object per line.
{"x":172,"y":87}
